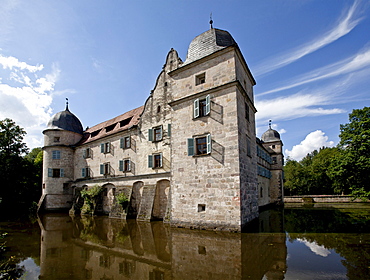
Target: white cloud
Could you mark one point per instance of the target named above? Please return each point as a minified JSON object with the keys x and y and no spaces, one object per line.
{"x":349,"y":65}
{"x":313,"y":141}
{"x":28,"y":101}
{"x":295,"y":106}
{"x":11,"y":62}
{"x":345,"y":24}
{"x":315,"y":248}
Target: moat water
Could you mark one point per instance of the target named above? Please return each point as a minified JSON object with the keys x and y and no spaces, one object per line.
{"x":310,"y":242}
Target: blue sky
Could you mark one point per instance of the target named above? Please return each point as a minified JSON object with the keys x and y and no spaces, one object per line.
{"x":310,"y":58}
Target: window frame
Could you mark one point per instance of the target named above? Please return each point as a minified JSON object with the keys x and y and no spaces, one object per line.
{"x":85,"y":172}
{"x":56,"y":154}
{"x":105,"y":169}
{"x":154,"y":162}
{"x":201,"y":109}
{"x":200,"y":79}
{"x":125,"y":142}
{"x":193,"y":145}
{"x":124,"y":165}
{"x":105,"y":147}
{"x":52,"y":172}
{"x":153,"y":136}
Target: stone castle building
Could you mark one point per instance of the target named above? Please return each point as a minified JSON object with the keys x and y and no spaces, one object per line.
{"x":189,"y":155}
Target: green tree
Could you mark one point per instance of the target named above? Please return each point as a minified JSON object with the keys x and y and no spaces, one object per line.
{"x":352,"y":167}
{"x":311,"y":175}
{"x":20,"y":176}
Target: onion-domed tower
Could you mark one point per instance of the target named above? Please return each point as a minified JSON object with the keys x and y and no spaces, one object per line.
{"x":64,"y":130}
{"x":271,"y":141}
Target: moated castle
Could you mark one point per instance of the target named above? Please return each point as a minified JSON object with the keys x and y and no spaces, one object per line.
{"x":189,"y":155}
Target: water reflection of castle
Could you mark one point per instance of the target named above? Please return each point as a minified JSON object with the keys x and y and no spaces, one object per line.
{"x":103,"y":248}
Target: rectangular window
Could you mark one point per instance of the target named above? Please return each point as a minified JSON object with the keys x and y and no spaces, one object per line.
{"x":105,"y":148}
{"x":105,"y":169}
{"x":202,"y":107}
{"x":274,"y":160}
{"x":56,"y":155}
{"x":55,"y":172}
{"x":200,"y":145}
{"x":155,"y":161}
{"x":125,"y":165}
{"x":87,"y":153}
{"x":200,"y":79}
{"x":56,"y":139}
{"x":246,"y":111}
{"x":85,"y":172}
{"x":125,"y":142}
{"x":249,"y":153}
{"x":155,"y":134}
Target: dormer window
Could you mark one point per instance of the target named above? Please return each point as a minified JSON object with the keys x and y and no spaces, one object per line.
{"x":200,"y":79}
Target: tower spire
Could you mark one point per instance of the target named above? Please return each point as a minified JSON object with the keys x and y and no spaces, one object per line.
{"x":211,"y":21}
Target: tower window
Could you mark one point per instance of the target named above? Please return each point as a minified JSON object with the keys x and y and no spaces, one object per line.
{"x":56,"y":154}
{"x":201,"y":207}
{"x":200,"y":79}
{"x":55,"y":172}
{"x":246,"y":111}
{"x":202,"y":107}
{"x":158,"y":109}
{"x":56,"y":139}
{"x":199,"y":146}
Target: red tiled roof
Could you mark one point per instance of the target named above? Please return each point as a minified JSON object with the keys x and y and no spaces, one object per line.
{"x":114,"y":125}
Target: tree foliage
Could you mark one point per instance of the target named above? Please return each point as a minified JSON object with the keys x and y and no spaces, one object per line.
{"x":20,"y":172}
{"x":343,"y":169}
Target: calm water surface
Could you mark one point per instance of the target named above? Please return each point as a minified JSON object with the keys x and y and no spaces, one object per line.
{"x":292,"y":243}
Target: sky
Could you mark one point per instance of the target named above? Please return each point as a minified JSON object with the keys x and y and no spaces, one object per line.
{"x":310,"y":59}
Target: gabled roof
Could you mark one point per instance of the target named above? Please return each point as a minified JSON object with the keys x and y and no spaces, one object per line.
{"x":112,"y":126}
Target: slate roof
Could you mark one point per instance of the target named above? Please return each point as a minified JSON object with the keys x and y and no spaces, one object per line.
{"x":65,"y":120}
{"x":208,"y":43}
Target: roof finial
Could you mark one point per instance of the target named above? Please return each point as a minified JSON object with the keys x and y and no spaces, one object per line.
{"x":211,"y":21}
{"x":67,"y":104}
{"x":270,"y":124}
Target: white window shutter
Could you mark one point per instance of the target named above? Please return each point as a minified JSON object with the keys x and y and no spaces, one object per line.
{"x":101,"y":168}
{"x":61,"y":172}
{"x":129,"y":165}
{"x":102,"y":148}
{"x":209,"y":144}
{"x":196,"y":108}
{"x":50,"y":172}
{"x":208,"y":104}
{"x":150,"y":134}
{"x":121,"y":165}
{"x":121,"y":143}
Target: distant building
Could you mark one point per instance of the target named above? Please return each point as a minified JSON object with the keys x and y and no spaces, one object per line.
{"x":188,"y":156}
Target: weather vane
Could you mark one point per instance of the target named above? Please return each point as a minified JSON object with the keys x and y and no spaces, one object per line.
{"x":66,"y":103}
{"x":210,"y":20}
{"x":270,"y":124}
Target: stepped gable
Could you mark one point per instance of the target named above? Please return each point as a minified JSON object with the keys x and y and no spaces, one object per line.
{"x":112,"y":126}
